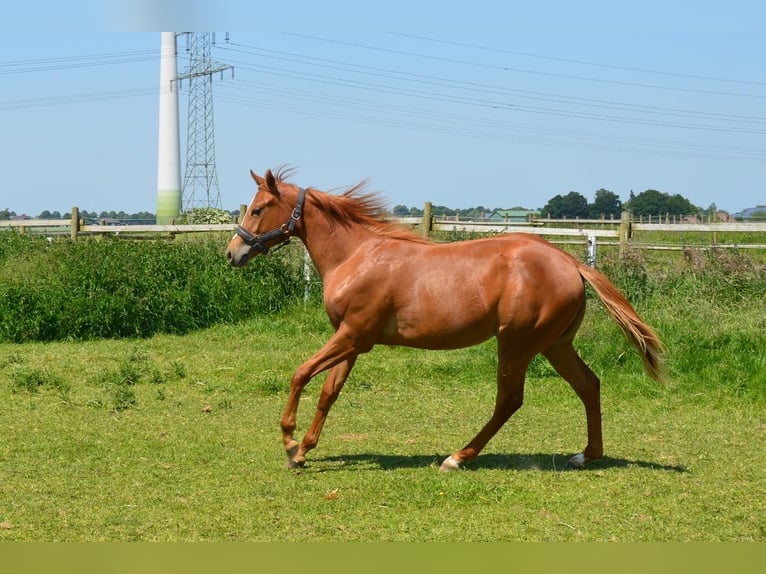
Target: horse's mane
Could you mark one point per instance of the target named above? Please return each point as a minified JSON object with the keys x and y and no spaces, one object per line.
{"x":355,"y":207}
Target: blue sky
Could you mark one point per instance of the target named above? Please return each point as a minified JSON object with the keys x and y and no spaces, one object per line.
{"x":499,"y":104}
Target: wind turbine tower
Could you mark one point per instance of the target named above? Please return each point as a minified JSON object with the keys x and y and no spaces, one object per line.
{"x":169,"y":153}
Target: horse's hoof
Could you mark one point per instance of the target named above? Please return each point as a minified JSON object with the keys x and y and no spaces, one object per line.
{"x":292,"y":449}
{"x":449,"y":465}
{"x":576,"y":462}
{"x":292,"y":463}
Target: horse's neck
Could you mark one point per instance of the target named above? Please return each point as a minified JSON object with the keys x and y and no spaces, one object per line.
{"x":328,"y":244}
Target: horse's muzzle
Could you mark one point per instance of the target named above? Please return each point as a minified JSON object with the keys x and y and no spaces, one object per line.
{"x":239,"y":259}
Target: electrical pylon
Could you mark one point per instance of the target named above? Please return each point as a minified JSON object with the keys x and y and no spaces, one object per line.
{"x":200,"y":187}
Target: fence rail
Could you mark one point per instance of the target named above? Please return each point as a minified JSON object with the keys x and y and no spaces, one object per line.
{"x":619,"y":232}
{"x":76,"y":228}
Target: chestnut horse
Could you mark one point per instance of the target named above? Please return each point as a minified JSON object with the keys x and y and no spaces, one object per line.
{"x":383,"y":284}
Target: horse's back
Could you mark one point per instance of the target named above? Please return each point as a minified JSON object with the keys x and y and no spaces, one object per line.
{"x":459,"y":294}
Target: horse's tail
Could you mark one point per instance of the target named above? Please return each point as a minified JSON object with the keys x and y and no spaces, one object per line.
{"x":638,"y":333}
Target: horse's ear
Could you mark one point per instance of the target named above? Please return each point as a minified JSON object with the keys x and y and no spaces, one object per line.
{"x":257,"y":178}
{"x":271,"y":183}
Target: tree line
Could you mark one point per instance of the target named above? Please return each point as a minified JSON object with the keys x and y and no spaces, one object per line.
{"x":195,"y":215}
{"x":575,"y":205}
{"x":608,"y":204}
{"x":605,"y":204}
{"x":122,"y":216}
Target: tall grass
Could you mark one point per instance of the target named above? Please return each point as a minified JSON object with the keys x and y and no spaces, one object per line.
{"x":718,"y":276}
{"x":709,"y":307}
{"x":97,"y":288}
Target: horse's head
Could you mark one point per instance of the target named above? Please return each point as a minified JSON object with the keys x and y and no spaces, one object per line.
{"x":268,"y":221}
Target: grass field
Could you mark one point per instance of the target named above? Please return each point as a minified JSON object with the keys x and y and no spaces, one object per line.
{"x":176,"y":438}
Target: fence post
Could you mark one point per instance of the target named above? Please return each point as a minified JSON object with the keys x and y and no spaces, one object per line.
{"x":625,"y":232}
{"x":242,"y":211}
{"x":75,"y":223}
{"x":306,"y":275}
{"x":427,"y":221}
{"x":592,"y":250}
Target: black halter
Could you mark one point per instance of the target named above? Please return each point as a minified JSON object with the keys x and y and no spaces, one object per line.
{"x":282,"y":233}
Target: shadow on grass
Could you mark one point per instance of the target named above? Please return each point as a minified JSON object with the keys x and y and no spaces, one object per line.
{"x":539,"y":461}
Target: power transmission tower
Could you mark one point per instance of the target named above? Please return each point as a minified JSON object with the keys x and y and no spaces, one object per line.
{"x":200,"y":187}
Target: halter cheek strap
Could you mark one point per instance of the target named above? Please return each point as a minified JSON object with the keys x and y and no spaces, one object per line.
{"x":280,"y":234}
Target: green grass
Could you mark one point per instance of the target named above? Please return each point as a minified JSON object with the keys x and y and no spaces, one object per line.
{"x":109,"y":288}
{"x":177,"y":438}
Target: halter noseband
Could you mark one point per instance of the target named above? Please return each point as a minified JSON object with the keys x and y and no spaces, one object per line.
{"x":282,"y":233}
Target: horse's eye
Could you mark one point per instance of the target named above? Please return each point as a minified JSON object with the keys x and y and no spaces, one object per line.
{"x":256,"y":211}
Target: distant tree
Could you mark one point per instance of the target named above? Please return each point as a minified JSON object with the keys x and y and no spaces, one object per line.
{"x":401,"y":211}
{"x":605,"y":203}
{"x":148,"y":217}
{"x":572,"y":204}
{"x":441,"y":210}
{"x":123,"y":216}
{"x":415,"y":212}
{"x":6,"y":214}
{"x":656,"y":203}
{"x":471,"y":212}
{"x":85,"y":214}
{"x":649,"y":202}
{"x":679,"y":205}
{"x":554,"y":207}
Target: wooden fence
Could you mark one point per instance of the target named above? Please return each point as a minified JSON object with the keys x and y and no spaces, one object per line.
{"x":620,"y":232}
{"x":588,"y":232}
{"x":76,"y":227}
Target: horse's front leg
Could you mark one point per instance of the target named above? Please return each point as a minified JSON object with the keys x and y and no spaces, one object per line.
{"x":330,"y":391}
{"x":287,"y":423}
{"x":339,"y":350}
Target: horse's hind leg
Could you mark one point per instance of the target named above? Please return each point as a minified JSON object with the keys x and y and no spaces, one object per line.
{"x":509,"y":398}
{"x":586,"y":384}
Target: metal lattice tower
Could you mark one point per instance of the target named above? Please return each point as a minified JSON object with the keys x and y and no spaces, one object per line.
{"x":200,"y":186}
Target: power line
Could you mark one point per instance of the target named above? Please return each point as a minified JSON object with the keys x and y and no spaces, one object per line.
{"x":579,"y":62}
{"x":523,"y":70}
{"x":489,"y":104}
{"x":487,"y":88}
{"x":75,"y":98}
{"x":362,"y":111}
{"x":424,"y":87}
{"x":497,"y":104}
{"x":70,"y":62}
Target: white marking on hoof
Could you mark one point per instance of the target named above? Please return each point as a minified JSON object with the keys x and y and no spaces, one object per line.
{"x":577,"y":461}
{"x":449,"y":465}
{"x":293,"y":461}
{"x":292,"y":449}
